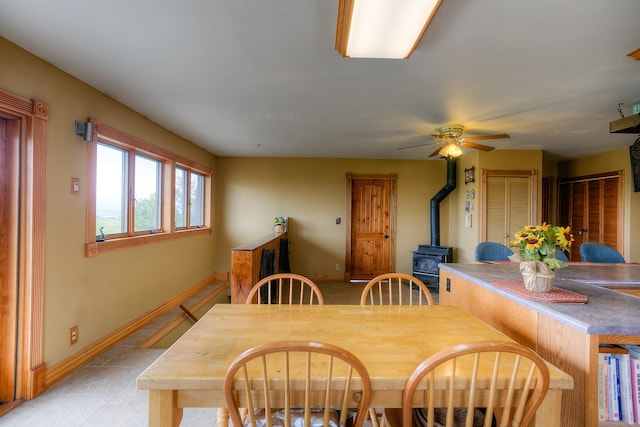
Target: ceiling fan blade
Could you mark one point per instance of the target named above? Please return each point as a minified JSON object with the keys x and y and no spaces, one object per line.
{"x":416,"y":146}
{"x":476,"y":146}
{"x":435,"y":153}
{"x":485,"y":137}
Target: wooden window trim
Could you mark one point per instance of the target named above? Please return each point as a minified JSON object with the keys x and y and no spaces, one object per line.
{"x":108,"y":134}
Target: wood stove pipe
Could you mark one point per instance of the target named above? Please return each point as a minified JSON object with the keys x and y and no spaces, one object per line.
{"x":439,"y":197}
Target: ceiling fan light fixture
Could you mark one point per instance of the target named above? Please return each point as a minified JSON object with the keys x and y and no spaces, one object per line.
{"x":382,"y":28}
{"x":450,"y":132}
{"x":451,"y":151}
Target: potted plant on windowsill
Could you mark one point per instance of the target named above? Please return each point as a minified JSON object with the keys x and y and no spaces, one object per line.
{"x":537,"y":245}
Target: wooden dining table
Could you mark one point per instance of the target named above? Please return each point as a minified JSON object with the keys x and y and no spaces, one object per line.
{"x":390,"y":340}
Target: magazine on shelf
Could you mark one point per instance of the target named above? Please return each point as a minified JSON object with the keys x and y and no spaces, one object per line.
{"x":635,"y":390}
{"x":619,"y":383}
{"x":614,"y":390}
{"x":623,"y":363}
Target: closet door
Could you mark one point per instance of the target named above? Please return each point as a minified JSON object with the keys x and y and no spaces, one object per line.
{"x":592,"y":206}
{"x":508,"y":207}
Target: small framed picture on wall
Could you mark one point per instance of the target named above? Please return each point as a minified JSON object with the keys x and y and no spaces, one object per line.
{"x":470,"y":175}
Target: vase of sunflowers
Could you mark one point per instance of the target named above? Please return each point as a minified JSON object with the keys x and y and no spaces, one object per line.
{"x":538,"y":245}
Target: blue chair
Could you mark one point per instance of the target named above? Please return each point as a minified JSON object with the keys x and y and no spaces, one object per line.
{"x":491,"y":251}
{"x":595,"y":252}
{"x":561,"y":256}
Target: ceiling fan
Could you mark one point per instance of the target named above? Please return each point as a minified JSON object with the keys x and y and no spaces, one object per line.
{"x":451,"y":140}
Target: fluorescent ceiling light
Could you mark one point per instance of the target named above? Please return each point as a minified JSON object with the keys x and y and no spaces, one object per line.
{"x":382,"y":28}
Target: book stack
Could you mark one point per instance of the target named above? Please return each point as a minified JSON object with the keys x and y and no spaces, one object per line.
{"x":619,"y":383}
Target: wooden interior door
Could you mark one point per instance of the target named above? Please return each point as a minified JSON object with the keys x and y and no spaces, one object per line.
{"x":370,"y":248}
{"x":9,"y":134}
{"x":592,"y":206}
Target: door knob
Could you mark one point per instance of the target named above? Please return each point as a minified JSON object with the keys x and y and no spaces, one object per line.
{"x":386,"y":236}
{"x":584,"y":230}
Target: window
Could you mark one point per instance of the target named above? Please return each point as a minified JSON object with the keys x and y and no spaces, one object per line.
{"x":131,"y":189}
{"x":189,"y":196}
{"x":147,"y":194}
{"x":111,"y":190}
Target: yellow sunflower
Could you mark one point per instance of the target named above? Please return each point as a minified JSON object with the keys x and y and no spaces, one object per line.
{"x":521,"y":236}
{"x":534,"y":242}
{"x":564,"y":237}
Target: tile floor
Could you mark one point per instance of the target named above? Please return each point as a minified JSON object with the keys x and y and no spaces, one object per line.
{"x":104,"y":393}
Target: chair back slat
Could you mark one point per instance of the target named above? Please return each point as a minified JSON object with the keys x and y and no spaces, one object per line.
{"x":396,"y":289}
{"x":319,"y":374}
{"x":285,"y":288}
{"x":488,"y":374}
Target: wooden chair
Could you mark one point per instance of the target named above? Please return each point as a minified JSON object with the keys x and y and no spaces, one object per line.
{"x":395,"y":289}
{"x":323,"y":375}
{"x":285,"y":288}
{"x":472,"y":371}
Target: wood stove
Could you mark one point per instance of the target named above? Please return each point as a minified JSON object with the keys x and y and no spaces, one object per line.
{"x":426,"y":260}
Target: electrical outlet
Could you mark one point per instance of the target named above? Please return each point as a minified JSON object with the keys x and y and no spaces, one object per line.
{"x":73,"y":335}
{"x":337,"y":267}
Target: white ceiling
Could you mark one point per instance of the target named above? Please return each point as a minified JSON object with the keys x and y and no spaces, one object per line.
{"x":262,"y":78}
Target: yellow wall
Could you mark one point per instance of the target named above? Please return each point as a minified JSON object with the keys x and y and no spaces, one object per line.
{"x":312,"y":192}
{"x":465,"y":238}
{"x":102,"y":293}
{"x":608,"y":162}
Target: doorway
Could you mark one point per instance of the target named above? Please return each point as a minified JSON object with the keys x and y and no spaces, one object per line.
{"x":23,"y":124}
{"x":9,"y":138}
{"x":371,"y":230}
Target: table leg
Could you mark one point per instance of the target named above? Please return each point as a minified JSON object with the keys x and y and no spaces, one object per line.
{"x":163,"y":409}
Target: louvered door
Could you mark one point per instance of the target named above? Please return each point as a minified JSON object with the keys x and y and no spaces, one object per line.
{"x":508,"y":207}
{"x":592,"y":206}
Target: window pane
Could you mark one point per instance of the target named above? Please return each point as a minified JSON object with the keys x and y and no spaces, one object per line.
{"x":148,"y":173}
{"x":111,"y":194}
{"x":181,"y":199}
{"x":196,"y":216}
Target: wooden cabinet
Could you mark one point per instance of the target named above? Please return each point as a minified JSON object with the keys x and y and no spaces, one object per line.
{"x":245,"y":264}
{"x":567,"y":341}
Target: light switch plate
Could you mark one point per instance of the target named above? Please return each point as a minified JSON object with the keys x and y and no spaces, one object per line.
{"x":75,"y":186}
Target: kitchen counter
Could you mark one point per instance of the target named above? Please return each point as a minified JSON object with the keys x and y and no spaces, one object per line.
{"x":566,"y":334}
{"x":607,"y":312}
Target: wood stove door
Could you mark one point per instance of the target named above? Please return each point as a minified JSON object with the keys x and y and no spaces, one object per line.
{"x":371,"y":227}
